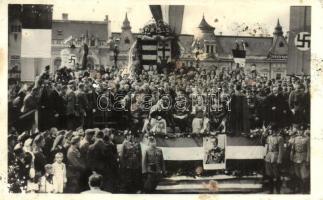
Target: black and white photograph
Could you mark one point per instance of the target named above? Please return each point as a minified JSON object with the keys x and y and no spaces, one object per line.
{"x":151,"y":98}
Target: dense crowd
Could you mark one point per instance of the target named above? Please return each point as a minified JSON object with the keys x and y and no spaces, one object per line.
{"x":79,"y":112}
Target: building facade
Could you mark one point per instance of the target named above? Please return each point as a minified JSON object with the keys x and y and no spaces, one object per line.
{"x":268,"y":55}
{"x":69,"y":37}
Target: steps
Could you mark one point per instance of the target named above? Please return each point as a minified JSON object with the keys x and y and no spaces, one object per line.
{"x":223,"y":184}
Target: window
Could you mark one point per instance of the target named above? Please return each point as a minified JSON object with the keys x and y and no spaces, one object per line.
{"x":281,"y":44}
{"x":211,"y":49}
{"x":92,"y":43}
{"x":15,"y":28}
{"x":59,"y":32}
{"x":127,"y":41}
{"x":207,"y":48}
{"x":278,"y":76}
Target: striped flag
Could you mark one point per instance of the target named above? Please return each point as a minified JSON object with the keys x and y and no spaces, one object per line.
{"x":154,"y":52}
{"x":299,"y":42}
{"x":36,"y":38}
{"x":192,"y":149}
{"x":148,"y":53}
{"x":239,"y":57}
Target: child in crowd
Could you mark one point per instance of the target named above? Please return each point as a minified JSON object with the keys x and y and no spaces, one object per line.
{"x":46,"y":184}
{"x":59,"y":172}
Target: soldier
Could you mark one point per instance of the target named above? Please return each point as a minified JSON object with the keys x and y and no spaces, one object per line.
{"x":154,"y":166}
{"x":300,"y":156}
{"x":274,"y":154}
{"x":75,"y":166}
{"x":130,"y":164}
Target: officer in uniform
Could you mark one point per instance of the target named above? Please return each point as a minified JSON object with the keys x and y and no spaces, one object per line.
{"x":300,"y":157}
{"x":130,"y":164}
{"x":75,"y":166}
{"x":154,"y":166}
{"x":274,"y":154}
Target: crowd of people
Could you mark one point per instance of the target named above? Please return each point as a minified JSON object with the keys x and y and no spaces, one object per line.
{"x":79,"y":112}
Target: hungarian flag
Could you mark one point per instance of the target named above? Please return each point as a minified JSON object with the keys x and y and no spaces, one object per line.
{"x":36,"y":38}
{"x":239,"y":56}
{"x":299,"y":42}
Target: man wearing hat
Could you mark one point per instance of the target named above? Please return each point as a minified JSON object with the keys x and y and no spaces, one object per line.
{"x":75,"y":166}
{"x":300,"y":157}
{"x":130,"y":164}
{"x":154,"y":166}
{"x":273,"y":158}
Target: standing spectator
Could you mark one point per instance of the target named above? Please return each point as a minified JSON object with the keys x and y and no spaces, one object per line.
{"x":239,"y":116}
{"x":297,"y":103}
{"x":46,"y":115}
{"x":130,"y":163}
{"x":97,"y":157}
{"x":59,"y":172}
{"x":81,"y":105}
{"x":300,"y":156}
{"x":112,"y":173}
{"x":39,"y":157}
{"x":75,"y":166}
{"x":200,"y":121}
{"x":276,"y":107}
{"x":29,"y":104}
{"x":273,"y":158}
{"x":59,"y":106}
{"x":46,"y":183}
{"x":154,"y":166}
{"x":71,"y":107}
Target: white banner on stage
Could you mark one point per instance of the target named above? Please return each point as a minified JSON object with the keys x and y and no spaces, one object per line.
{"x":244,"y":152}
{"x":36,"y":43}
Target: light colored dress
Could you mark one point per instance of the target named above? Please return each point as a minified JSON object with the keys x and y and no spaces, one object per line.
{"x":59,"y":171}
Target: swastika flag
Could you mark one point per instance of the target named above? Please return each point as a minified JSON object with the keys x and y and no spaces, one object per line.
{"x":299,"y":43}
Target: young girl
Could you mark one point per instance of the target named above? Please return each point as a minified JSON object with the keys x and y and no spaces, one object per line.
{"x":59,"y":172}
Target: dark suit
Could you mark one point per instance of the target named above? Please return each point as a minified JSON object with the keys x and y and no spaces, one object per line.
{"x":99,"y":158}
{"x":113,"y":173}
{"x":46,"y":116}
{"x":81,"y":107}
{"x":59,"y":107}
{"x":297,"y":102}
{"x":70,"y":109}
{"x":275,"y":106}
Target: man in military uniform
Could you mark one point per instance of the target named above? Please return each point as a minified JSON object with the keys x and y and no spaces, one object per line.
{"x":274,"y":154}
{"x":300,"y":157}
{"x":75,"y":166}
{"x":130,"y":164}
{"x":154,"y":166}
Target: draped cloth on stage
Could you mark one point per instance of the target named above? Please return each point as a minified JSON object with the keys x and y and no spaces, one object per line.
{"x":239,"y":115}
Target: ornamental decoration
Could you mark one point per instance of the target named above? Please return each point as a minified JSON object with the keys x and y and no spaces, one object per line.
{"x":157,"y":28}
